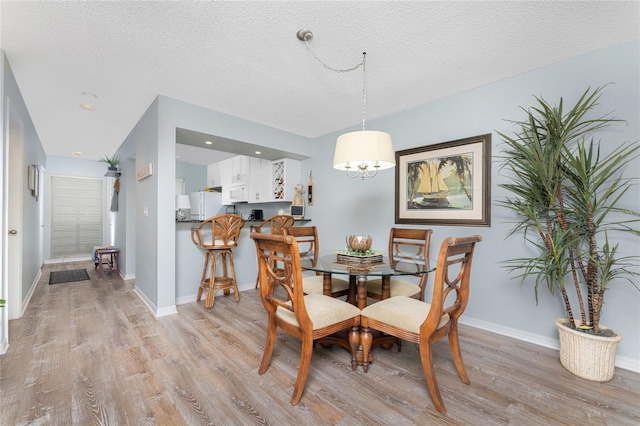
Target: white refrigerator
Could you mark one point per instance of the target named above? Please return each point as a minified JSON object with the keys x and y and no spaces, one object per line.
{"x":205,"y":204}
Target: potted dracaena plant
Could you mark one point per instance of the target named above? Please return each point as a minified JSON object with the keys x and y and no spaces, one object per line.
{"x":565,"y":194}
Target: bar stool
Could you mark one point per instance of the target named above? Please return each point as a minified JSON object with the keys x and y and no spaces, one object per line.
{"x":218,"y":235}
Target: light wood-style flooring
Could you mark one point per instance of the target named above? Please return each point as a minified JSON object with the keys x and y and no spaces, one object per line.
{"x":90,"y":352}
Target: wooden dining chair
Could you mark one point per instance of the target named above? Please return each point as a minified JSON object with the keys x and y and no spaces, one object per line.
{"x":309,"y":245}
{"x":308,"y":317}
{"x":426,"y":323}
{"x":218,"y":235}
{"x":275,"y":225}
{"x":405,"y":243}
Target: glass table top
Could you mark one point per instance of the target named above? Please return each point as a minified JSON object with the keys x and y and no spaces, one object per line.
{"x":328,"y":263}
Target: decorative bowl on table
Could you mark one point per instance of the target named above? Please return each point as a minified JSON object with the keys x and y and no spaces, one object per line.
{"x":359,"y":243}
{"x":359,"y":251}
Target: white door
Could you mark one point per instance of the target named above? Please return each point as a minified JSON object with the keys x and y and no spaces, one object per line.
{"x":15,"y":190}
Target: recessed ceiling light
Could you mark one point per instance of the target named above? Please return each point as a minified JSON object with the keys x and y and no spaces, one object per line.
{"x":208,"y":142}
{"x":77,"y":153}
{"x":89,"y":98}
{"x":258,"y":152}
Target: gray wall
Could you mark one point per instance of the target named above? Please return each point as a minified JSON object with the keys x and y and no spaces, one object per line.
{"x":347,"y":206}
{"x":33,"y":154}
{"x":194,"y":175}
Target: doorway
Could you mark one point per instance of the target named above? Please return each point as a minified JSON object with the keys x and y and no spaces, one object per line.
{"x":15,"y":175}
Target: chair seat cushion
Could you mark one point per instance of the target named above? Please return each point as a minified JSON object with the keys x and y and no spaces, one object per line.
{"x":402,"y":312}
{"x":313,"y":285}
{"x":398,"y":287}
{"x":322,"y":310}
{"x":217,"y":244}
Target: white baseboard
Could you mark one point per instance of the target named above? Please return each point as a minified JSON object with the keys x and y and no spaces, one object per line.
{"x":169,"y":310}
{"x":67,"y":259}
{"x":27,"y":299}
{"x":547,"y":342}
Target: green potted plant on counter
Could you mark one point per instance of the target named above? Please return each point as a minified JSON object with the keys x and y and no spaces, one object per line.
{"x":565,"y":195}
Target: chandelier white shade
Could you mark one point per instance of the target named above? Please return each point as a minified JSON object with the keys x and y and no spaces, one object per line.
{"x":363,"y":153}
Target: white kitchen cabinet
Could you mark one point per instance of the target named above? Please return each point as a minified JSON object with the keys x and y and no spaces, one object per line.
{"x":240,"y":168}
{"x":213,"y":175}
{"x":225,"y":180}
{"x":259,"y":180}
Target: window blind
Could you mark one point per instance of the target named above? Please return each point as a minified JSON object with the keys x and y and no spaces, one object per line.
{"x":76,"y":216}
{"x":180,"y":186}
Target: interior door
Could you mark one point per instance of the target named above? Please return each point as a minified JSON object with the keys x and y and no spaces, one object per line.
{"x":15,"y":190}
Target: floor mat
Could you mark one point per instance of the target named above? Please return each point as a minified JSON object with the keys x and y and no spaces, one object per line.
{"x":59,"y":277}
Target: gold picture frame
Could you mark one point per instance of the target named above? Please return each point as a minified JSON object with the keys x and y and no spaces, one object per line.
{"x":447,"y":183}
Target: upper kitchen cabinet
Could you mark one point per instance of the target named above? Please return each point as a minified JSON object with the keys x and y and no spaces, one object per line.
{"x":240,"y":168}
{"x":267,"y":181}
{"x":213,"y":175}
{"x":225,"y":180}
{"x":260,"y":180}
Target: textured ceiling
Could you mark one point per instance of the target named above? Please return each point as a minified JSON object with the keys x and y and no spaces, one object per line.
{"x":243,"y":58}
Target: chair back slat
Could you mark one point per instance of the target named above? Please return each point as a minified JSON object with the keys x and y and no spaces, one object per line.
{"x":307,"y":239}
{"x":276,"y":224}
{"x":409,"y":243}
{"x":452,"y":278}
{"x":279,"y":269}
{"x":220,"y":231}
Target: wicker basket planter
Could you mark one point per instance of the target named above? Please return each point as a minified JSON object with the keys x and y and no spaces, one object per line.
{"x":585,"y":355}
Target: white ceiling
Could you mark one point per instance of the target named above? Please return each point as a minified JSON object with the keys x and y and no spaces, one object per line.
{"x":243,"y":58}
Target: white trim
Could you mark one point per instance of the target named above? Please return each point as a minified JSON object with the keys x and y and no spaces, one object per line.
{"x":27,"y":299}
{"x":169,"y":310}
{"x":5,"y":346}
{"x":146,"y":300}
{"x":621,"y":362}
{"x":67,"y":259}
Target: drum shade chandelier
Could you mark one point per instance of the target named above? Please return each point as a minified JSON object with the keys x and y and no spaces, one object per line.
{"x":360,"y":153}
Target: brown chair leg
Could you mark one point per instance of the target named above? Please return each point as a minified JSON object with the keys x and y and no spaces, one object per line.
{"x":204,"y":276}
{"x":236,"y":293}
{"x":430,"y":376}
{"x":354,"y":342}
{"x":303,"y":369}
{"x":211,"y":292}
{"x":366,"y":339}
{"x":454,"y":345}
{"x":268,"y":347}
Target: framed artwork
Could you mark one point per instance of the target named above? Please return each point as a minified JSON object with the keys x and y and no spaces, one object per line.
{"x":33,"y":180}
{"x":32,"y":177}
{"x":447,"y":183}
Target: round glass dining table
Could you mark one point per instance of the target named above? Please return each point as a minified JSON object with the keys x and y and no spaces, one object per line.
{"x":328,"y":265}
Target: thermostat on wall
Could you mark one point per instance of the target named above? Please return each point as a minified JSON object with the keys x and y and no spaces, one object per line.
{"x":144,"y":171}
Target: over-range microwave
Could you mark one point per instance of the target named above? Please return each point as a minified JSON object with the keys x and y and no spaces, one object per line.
{"x":239,"y":192}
